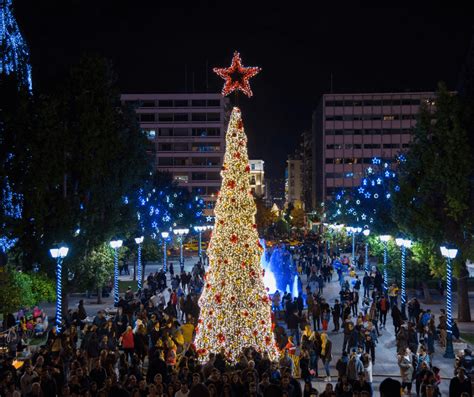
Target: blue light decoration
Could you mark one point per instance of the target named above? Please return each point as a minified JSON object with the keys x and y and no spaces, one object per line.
{"x":449,"y":253}
{"x":14,"y":54}
{"x":372,"y":198}
{"x":404,"y":244}
{"x":385,"y":238}
{"x":115,"y":245}
{"x":59,"y":254}
{"x":11,"y":209}
{"x":139,"y":241}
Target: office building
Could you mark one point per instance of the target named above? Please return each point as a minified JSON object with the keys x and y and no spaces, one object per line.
{"x":350,"y":129}
{"x":257,"y":178}
{"x":294,"y":182}
{"x":187,"y":133}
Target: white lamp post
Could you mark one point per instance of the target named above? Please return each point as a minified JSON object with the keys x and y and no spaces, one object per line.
{"x":404,"y":244}
{"x":116,"y":244}
{"x":181,"y":233}
{"x":449,"y":254}
{"x":385,"y":239}
{"x":59,"y":254}
{"x":366,"y":233}
{"x":200,"y":229}
{"x":165,"y":236}
{"x":139,"y":241}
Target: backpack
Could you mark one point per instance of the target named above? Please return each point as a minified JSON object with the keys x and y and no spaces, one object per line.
{"x":357,"y":284}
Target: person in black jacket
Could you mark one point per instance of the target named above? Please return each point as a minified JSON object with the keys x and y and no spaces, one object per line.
{"x":336,"y":315}
{"x":460,"y":384}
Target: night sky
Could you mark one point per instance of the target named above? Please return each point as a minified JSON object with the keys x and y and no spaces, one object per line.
{"x":151,"y":46}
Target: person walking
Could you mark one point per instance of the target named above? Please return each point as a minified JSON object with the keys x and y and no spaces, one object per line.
{"x":405,"y":362}
{"x":383,"y":306}
{"x":326,"y":356}
{"x":336,"y":315}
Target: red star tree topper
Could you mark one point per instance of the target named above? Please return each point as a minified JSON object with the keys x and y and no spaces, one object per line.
{"x":237,"y":76}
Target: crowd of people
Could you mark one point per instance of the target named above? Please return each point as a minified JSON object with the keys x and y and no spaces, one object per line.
{"x":146,"y":348}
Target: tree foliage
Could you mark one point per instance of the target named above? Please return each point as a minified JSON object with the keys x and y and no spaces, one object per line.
{"x":25,"y":290}
{"x":435,"y":203}
{"x":264,"y":217}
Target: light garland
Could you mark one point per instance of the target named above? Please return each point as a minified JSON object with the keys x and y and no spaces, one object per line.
{"x":237,"y":76}
{"x":235,"y":307}
{"x":14,"y":55}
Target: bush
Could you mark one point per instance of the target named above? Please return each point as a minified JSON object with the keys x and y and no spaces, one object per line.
{"x":24,"y":289}
{"x":43,"y":288}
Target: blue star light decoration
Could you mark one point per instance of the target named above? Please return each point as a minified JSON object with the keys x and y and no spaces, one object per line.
{"x":372,"y":196}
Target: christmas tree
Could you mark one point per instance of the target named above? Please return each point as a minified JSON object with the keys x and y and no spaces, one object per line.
{"x":235,"y":307}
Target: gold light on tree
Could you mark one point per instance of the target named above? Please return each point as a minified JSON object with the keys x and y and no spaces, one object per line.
{"x":235,"y":307}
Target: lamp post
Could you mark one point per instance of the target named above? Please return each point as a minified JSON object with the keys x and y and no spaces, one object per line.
{"x":59,"y":254}
{"x":165,"y":236}
{"x":366,"y":233}
{"x":404,"y":244}
{"x":116,"y":244}
{"x":139,"y":241}
{"x":181,"y":233}
{"x":449,"y":254}
{"x":384,"y":239}
{"x":353,"y":231}
{"x":200,"y":229}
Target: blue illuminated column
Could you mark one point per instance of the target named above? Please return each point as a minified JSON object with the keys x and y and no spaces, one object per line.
{"x":59,"y":254}
{"x":116,"y":244}
{"x":139,"y":241}
{"x":200,"y":229}
{"x":164,"y":235}
{"x":181,"y":233}
{"x":404,"y":244}
{"x":385,"y":239}
{"x":366,"y":233}
{"x":449,"y":254}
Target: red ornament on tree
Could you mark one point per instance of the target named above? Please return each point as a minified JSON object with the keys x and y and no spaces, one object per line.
{"x":247,"y":169}
{"x":231,"y":184}
{"x":234,"y":238}
{"x":237,"y":76}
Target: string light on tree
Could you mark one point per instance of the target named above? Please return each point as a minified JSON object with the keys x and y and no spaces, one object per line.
{"x":235,"y":307}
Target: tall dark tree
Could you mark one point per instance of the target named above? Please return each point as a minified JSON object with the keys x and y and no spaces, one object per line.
{"x":434,"y":202}
{"x":87,"y":154}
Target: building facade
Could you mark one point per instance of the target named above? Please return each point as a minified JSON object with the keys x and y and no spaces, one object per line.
{"x":350,"y":129}
{"x":187,"y":136}
{"x":257,"y":178}
{"x":294,"y":182}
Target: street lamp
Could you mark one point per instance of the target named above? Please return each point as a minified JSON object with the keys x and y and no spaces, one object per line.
{"x":353,"y":231}
{"x":200,"y":229}
{"x":404,"y":244}
{"x":366,"y":233}
{"x":449,"y":254}
{"x":181,"y":233}
{"x":116,"y":244}
{"x":139,"y":241}
{"x":164,"y":235}
{"x":384,"y":239}
{"x":59,"y":254}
